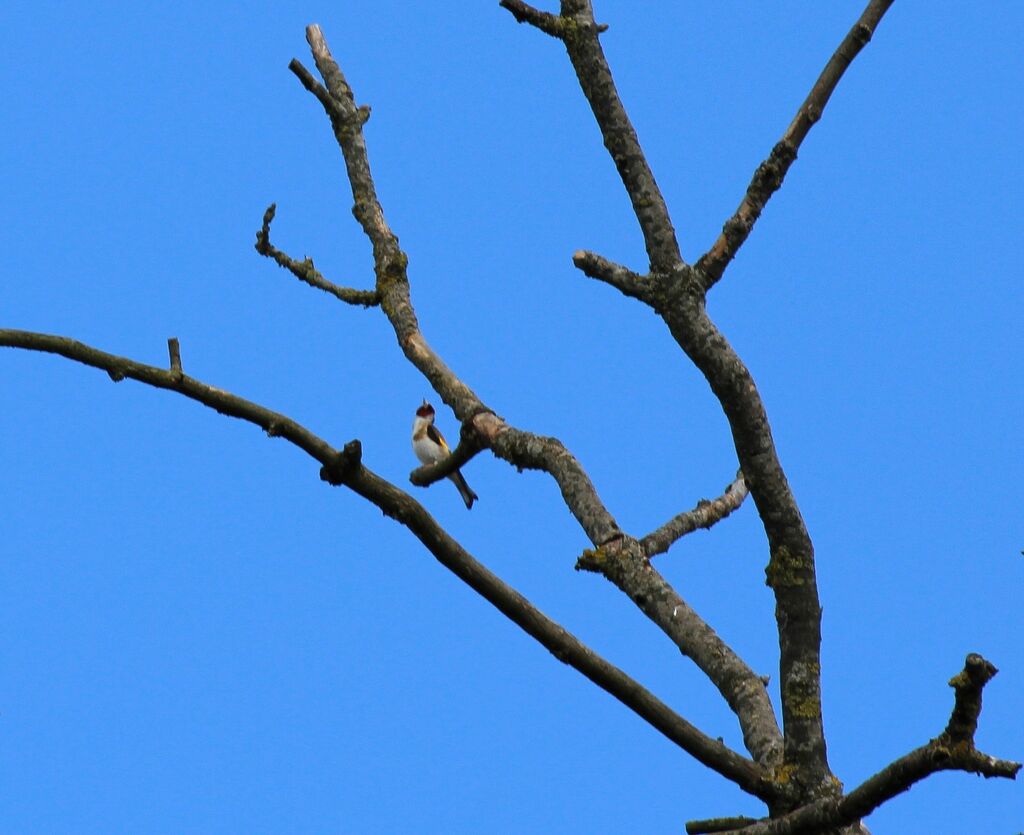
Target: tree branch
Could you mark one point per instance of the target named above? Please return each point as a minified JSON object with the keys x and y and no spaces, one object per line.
{"x":118,"y":368}
{"x":704,"y":515}
{"x":576,"y":28}
{"x":625,"y":565}
{"x":770,"y":173}
{"x":791,"y":571}
{"x":305,"y":271}
{"x":743,"y":689}
{"x":345,"y":467}
{"x":564,"y":646}
{"x":676,"y":294}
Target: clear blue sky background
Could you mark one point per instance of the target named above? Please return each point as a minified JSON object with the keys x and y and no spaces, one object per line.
{"x":197,"y":635}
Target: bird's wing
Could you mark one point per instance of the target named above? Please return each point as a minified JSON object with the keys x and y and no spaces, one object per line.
{"x":436,"y":437}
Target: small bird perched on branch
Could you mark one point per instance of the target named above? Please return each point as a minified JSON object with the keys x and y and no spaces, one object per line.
{"x":430,"y":447}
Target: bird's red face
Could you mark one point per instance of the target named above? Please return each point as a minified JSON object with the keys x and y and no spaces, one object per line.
{"x":425,"y":411}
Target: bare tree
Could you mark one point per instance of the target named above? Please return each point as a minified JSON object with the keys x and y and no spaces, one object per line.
{"x":784,"y":767}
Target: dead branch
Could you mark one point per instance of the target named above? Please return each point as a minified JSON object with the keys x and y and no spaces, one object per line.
{"x":677,"y":292}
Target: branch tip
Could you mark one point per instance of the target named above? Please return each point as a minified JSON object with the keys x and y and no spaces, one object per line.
{"x":621,"y":278}
{"x":967,"y":685}
{"x":549,"y":24}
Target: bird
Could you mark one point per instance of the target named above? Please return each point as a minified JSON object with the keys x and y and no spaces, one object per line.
{"x":429,"y":445}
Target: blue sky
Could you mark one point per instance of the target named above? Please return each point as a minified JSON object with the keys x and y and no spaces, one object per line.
{"x":198,"y":635}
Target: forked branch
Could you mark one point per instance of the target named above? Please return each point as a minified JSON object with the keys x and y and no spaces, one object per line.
{"x":952,"y":750}
{"x":677,"y":292}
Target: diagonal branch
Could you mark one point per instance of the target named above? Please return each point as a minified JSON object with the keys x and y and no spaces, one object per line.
{"x":565,"y":647}
{"x":704,"y":515}
{"x":305,"y":271}
{"x":345,"y":467}
{"x":627,"y":567}
{"x":770,"y":173}
{"x":576,"y":28}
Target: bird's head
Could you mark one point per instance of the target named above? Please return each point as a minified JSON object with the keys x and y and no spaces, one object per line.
{"x":425,"y":411}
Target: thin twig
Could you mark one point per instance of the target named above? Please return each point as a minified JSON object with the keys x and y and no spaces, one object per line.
{"x":704,"y":515}
{"x":305,"y":271}
{"x":315,"y":87}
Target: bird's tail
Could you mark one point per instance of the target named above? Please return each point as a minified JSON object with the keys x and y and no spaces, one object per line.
{"x":468,"y":496}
